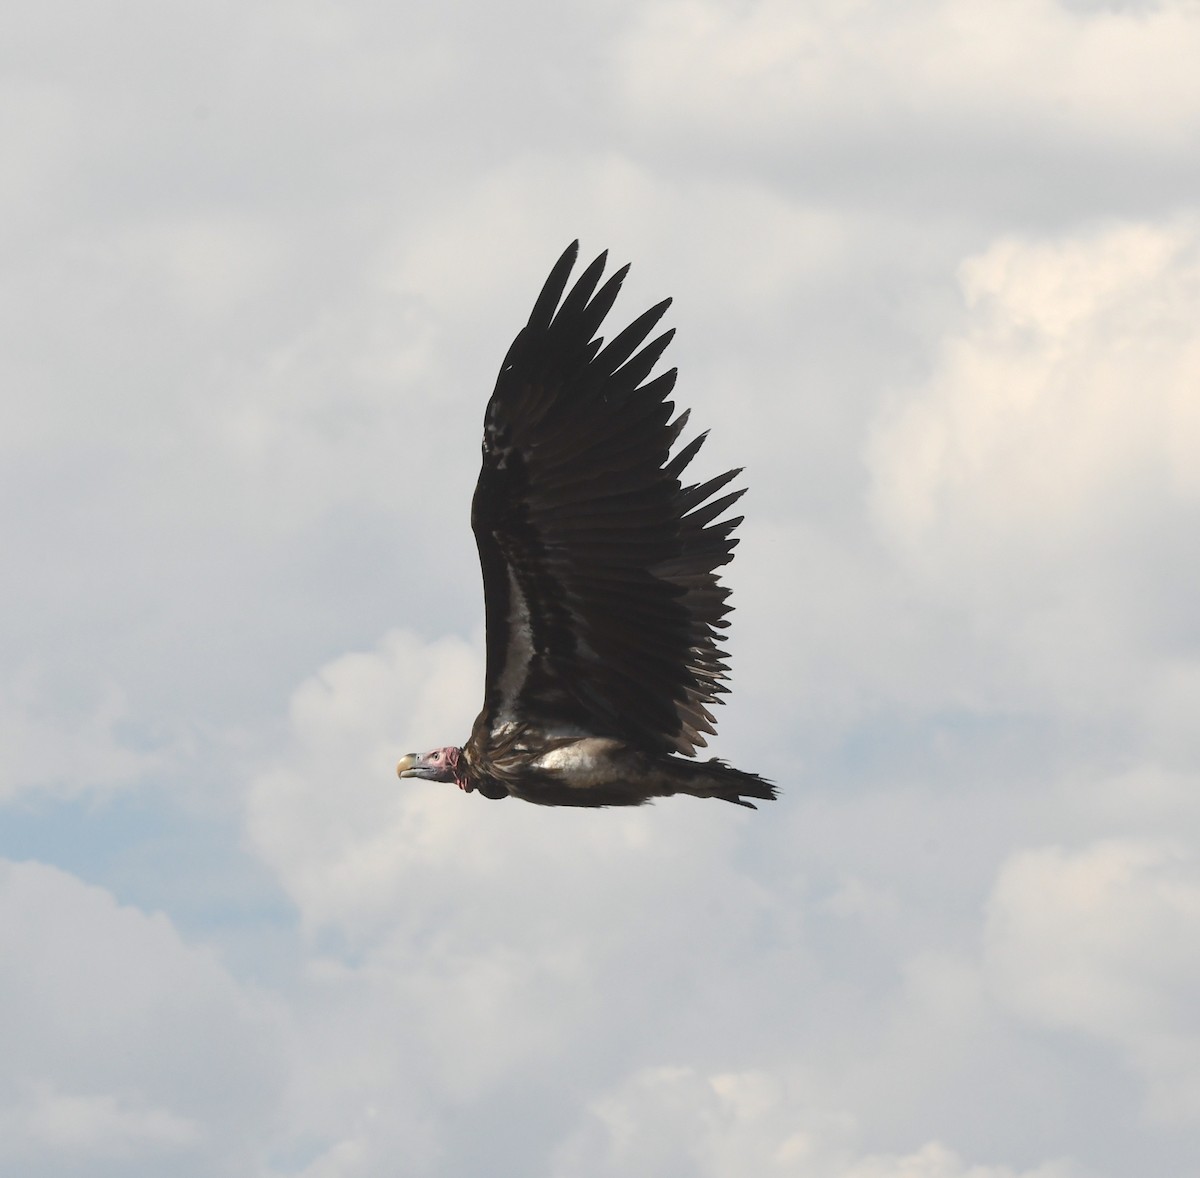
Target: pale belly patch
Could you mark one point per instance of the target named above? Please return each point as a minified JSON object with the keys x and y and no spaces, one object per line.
{"x":584,"y":762}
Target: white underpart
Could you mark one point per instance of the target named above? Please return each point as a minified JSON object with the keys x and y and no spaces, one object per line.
{"x":519,"y":653}
{"x":585,"y":762}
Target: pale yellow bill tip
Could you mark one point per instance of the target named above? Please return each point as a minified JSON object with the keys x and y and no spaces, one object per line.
{"x":406,"y":762}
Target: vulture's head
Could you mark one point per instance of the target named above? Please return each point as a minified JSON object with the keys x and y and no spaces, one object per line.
{"x":439,"y":765}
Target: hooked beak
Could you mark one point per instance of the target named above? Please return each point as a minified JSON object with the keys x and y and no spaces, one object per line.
{"x":428,"y":766}
{"x":436,"y":765}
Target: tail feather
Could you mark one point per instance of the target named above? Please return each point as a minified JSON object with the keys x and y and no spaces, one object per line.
{"x":715,"y":778}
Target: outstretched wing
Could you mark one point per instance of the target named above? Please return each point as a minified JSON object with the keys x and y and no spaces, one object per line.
{"x":599,"y":567}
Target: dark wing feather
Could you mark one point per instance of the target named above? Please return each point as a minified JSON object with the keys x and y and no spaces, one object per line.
{"x":599,"y":576}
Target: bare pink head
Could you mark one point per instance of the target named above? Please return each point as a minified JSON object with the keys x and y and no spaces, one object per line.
{"x":444,"y":764}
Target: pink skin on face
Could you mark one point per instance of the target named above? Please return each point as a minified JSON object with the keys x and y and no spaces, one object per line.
{"x":438,"y":765}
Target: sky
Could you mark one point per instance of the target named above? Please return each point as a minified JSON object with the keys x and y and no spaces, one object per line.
{"x":936,"y":270}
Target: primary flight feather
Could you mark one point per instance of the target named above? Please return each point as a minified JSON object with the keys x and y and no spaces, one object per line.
{"x":602,"y":597}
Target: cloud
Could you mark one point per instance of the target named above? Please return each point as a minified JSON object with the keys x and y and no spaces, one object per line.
{"x":486,"y":942}
{"x":518,"y":215}
{"x":331,"y":817}
{"x":51,"y":748}
{"x":772,"y":71}
{"x":1043,"y":481}
{"x":461,"y":952}
{"x":936,"y":1161}
{"x":89,"y":1128}
{"x":125,"y":1048}
{"x":675,"y":1121}
{"x":1104,"y":941}
{"x":1062,"y":412}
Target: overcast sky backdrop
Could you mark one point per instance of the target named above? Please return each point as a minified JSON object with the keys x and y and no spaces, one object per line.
{"x":937,"y":279}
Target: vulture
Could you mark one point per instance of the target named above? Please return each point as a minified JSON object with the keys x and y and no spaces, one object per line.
{"x":603,"y":603}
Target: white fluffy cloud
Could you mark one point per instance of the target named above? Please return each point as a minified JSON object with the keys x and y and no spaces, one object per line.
{"x":1105,"y":941}
{"x":936,"y":1161}
{"x":45,"y":746}
{"x":1064,"y":412}
{"x":1043,"y":482}
{"x":485,"y":941}
{"x":767,"y":242}
{"x":332,"y":818}
{"x":462,"y":949}
{"x":771,"y":70}
{"x":350,"y":841}
{"x":126,"y":1050}
{"x":75,"y":1130}
{"x":675,"y":1121}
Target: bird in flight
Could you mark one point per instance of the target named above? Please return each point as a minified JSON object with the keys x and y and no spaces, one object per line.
{"x":600,"y":572}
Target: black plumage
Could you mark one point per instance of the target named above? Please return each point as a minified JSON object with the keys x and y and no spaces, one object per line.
{"x":603,"y":603}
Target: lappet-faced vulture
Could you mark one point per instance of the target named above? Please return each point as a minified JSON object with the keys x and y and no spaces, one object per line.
{"x":603,"y":602}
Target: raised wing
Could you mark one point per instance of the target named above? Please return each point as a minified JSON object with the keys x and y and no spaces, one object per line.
{"x":602,"y":599}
